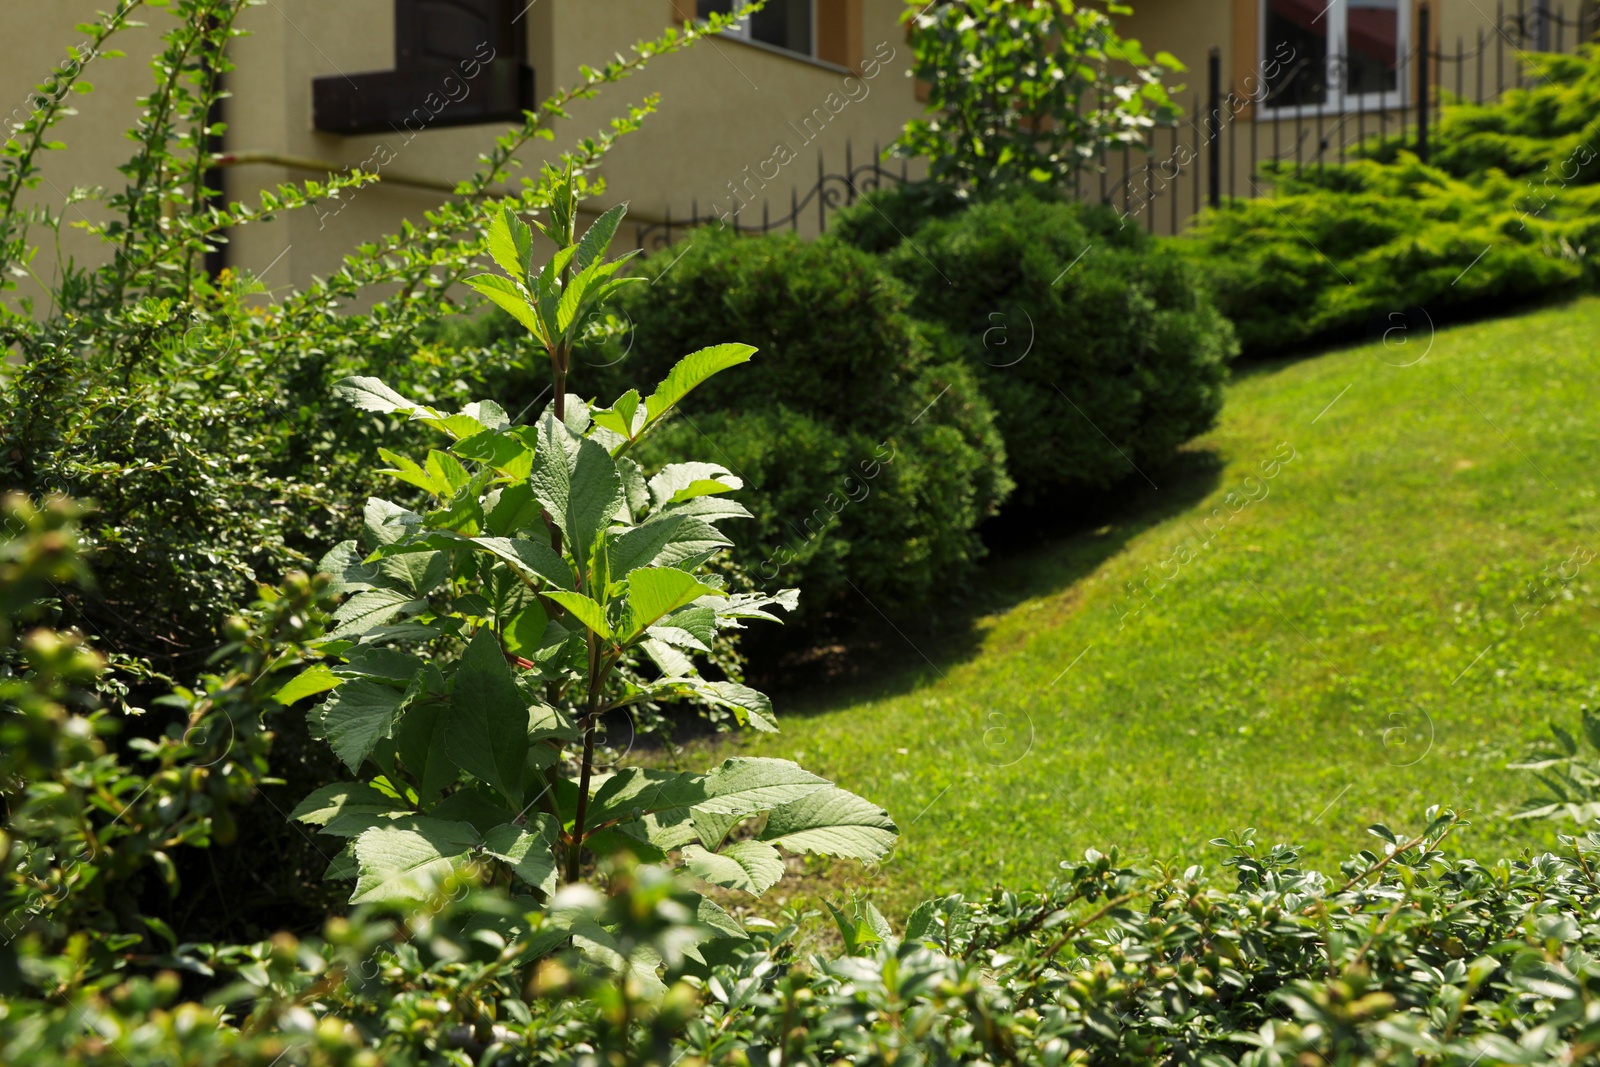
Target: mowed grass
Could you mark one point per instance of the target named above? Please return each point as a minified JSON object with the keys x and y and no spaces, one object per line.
{"x":1350,"y":646}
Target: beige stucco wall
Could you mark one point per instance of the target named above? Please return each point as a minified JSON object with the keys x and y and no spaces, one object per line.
{"x":33,"y":39}
{"x":725,"y":105}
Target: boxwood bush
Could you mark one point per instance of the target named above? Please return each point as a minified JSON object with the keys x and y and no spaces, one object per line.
{"x":1097,"y":345}
{"x":861,"y":437}
{"x":883,"y":218}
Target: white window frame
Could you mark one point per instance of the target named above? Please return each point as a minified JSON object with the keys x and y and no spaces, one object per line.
{"x":1339,"y":101}
{"x":740,"y":31}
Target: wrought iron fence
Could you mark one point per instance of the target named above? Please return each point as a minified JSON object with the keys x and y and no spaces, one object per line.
{"x":1217,"y":152}
{"x":829,"y":193}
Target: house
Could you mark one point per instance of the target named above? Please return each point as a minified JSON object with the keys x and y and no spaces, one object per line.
{"x":415,"y":89}
{"x":1303,"y":81}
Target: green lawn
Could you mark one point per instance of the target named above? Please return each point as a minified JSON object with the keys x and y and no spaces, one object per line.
{"x":1345,"y":649}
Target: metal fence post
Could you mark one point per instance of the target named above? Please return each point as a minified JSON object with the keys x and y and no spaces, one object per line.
{"x":1214,"y":126}
{"x":1422,"y":83}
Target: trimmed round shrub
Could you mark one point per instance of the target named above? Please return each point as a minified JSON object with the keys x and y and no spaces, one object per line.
{"x":870,"y":452}
{"x":884,"y":217}
{"x":1097,"y":345}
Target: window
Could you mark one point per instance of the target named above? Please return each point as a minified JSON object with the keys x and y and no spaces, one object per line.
{"x":785,"y":24}
{"x":1336,"y":55}
{"x":457,"y":63}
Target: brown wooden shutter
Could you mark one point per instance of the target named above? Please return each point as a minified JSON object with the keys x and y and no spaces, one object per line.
{"x":839,"y":32}
{"x":457,"y":63}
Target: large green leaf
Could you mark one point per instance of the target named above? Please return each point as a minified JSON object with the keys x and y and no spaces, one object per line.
{"x":507,"y":453}
{"x":586,"y":611}
{"x":575,"y":297}
{"x":709,"y":508}
{"x":373,"y":607}
{"x":639,"y":546}
{"x":388,"y":522}
{"x":754,"y":705}
{"x":510,"y":243}
{"x":370,"y":394}
{"x":404,"y":860}
{"x":528,"y":854}
{"x":488,"y":731}
{"x":505,"y":293}
{"x":341,"y":798}
{"x":714,"y":918}
{"x":593,"y":244}
{"x":832,"y":822}
{"x":422,"y":740}
{"x":664,"y":543}
{"x":622,"y":418}
{"x":476,"y":806}
{"x":657,"y":591}
{"x":532,"y":558}
{"x":513,"y":510}
{"x":639,"y":791}
{"x":350,"y":571}
{"x":678,"y":482}
{"x":409,"y":471}
{"x":693,"y":544}
{"x":357,"y":716}
{"x":711,"y":828}
{"x":578,"y":483}
{"x":384,"y":664}
{"x":746,"y":785}
{"x":691,"y":371}
{"x":750,"y":866}
{"x":309,"y":682}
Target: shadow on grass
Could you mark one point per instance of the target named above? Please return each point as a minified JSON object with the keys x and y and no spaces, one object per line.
{"x":1033,"y":552}
{"x":1394,"y":327}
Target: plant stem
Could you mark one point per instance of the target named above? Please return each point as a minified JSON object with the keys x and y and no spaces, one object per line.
{"x":558,"y":362}
{"x":581,"y":816}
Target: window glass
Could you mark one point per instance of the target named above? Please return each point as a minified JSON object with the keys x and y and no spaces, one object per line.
{"x":1297,"y":29}
{"x":783,"y":24}
{"x":1373,"y":31}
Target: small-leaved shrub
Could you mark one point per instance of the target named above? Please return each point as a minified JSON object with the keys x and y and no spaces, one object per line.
{"x":883,"y":218}
{"x":1504,"y":212}
{"x":893,"y":458}
{"x":1546,"y":131}
{"x":1028,"y":94}
{"x":1099,"y":347}
{"x":1344,"y":250}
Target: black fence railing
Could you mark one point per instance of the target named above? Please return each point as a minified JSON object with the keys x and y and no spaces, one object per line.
{"x":829,"y":193}
{"x":1304,"y":117}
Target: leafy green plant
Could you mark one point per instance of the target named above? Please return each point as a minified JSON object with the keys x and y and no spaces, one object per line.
{"x":1022,"y":94}
{"x":1402,"y":954}
{"x":869,"y":454}
{"x":881,"y":218}
{"x":93,"y":845}
{"x":546,"y":585}
{"x":1546,"y":130}
{"x":1502,"y":213}
{"x":1099,"y":348}
{"x":197,"y":416}
{"x":1569,"y":773}
{"x":1337,"y":252}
